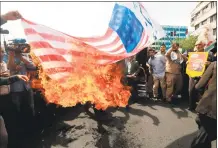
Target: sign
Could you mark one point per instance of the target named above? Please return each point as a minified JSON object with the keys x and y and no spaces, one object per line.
{"x":196,"y":63}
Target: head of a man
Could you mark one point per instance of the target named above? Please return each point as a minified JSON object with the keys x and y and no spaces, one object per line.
{"x":2,"y":52}
{"x":200,"y":46}
{"x":175,"y":46}
{"x":163,"y":48}
{"x":151,"y":52}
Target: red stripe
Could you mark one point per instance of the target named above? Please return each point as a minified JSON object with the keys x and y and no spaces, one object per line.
{"x":86,"y":50}
{"x":30,"y":31}
{"x":51,"y":71}
{"x":97,"y":39}
{"x":40,"y":44}
{"x":48,"y":58}
{"x":31,"y":23}
{"x":146,"y":41}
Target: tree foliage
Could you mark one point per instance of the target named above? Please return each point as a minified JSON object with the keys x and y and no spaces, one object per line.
{"x":187,"y":43}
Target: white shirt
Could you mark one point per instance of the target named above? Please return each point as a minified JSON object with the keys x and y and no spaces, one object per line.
{"x":5,"y":89}
{"x":158,"y":65}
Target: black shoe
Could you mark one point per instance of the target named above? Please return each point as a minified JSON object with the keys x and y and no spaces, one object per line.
{"x":191,"y":109}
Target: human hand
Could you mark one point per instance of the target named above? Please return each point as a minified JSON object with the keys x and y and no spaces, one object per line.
{"x":131,"y":76}
{"x":11,"y":15}
{"x":207,"y":63}
{"x":18,"y":67}
{"x":5,"y":74}
{"x":23,"y":77}
{"x":11,"y":53}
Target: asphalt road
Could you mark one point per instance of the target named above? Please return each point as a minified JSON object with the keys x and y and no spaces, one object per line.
{"x":146,"y":124}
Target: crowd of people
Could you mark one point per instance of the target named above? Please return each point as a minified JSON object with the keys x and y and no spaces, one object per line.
{"x":163,"y":76}
{"x":166,"y":74}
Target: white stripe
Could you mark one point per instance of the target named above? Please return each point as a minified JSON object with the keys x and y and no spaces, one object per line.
{"x":55,"y":44}
{"x":45,"y":51}
{"x":59,"y":75}
{"x":55,"y":64}
{"x":110,"y":49}
{"x":50,"y":51}
{"x":108,"y":40}
{"x":117,"y":52}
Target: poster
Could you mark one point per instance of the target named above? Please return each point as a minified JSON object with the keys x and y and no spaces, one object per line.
{"x":196,"y":63}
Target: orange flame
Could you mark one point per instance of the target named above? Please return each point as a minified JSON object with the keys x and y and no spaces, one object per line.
{"x":98,"y":84}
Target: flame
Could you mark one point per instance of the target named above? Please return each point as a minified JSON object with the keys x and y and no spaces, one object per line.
{"x":99,"y":84}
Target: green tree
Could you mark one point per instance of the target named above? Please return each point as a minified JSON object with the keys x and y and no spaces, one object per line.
{"x":187,"y":43}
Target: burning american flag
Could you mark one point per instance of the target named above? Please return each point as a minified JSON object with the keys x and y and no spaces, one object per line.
{"x":87,"y":64}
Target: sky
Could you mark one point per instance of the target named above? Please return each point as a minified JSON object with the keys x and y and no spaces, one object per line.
{"x":67,"y":17}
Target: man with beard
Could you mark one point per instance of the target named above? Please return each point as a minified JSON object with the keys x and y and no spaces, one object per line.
{"x":193,"y":94}
{"x":174,"y":80}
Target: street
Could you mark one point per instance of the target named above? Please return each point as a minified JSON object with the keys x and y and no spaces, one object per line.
{"x":147,"y":124}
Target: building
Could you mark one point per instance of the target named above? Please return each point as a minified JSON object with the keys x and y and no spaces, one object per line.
{"x":172,"y":32}
{"x":205,"y":13}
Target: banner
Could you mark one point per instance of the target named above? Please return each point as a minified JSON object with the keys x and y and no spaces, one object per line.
{"x":196,"y":63}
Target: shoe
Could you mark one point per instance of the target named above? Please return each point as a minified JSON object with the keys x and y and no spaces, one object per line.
{"x":191,"y":109}
{"x":154,"y":98}
{"x":179,"y":96}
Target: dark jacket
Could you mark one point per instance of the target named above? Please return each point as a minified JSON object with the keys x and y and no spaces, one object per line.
{"x":207,"y":105}
{"x":8,"y":80}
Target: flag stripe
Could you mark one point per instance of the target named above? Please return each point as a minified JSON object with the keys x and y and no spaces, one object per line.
{"x":55,"y":70}
{"x":53,"y":64}
{"x":32,"y":35}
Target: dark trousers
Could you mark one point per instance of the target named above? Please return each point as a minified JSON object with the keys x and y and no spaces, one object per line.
{"x":207,"y":132}
{"x":23,"y":116}
{"x":193,"y":93}
{"x":5,"y":119}
{"x":133,"y":83}
{"x":3,"y":134}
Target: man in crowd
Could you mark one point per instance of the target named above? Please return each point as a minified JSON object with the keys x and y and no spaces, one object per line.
{"x":131,"y":71}
{"x":157,"y":63}
{"x":174,"y":80}
{"x":207,"y":109}
{"x":5,"y":80}
{"x":21,"y":92}
{"x":193,"y":94}
{"x":162,"y":50}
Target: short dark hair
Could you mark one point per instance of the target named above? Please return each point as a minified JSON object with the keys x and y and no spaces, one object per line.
{"x":163,"y":45}
{"x":177,"y":44}
{"x":150,"y":49}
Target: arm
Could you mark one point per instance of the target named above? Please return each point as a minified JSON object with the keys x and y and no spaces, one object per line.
{"x":11,"y":65}
{"x":8,"y":80}
{"x":168,"y":54}
{"x":11,"y":15}
{"x":184,"y":57}
{"x":12,"y":79}
{"x":206,"y":76}
{"x":29,"y":64}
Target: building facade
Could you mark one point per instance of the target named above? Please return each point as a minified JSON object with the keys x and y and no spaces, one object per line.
{"x":205,"y":13}
{"x":172,"y":32}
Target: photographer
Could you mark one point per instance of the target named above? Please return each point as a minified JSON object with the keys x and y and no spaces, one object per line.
{"x":21,"y":92}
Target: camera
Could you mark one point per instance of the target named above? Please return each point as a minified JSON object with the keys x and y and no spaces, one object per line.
{"x":18,"y":46}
